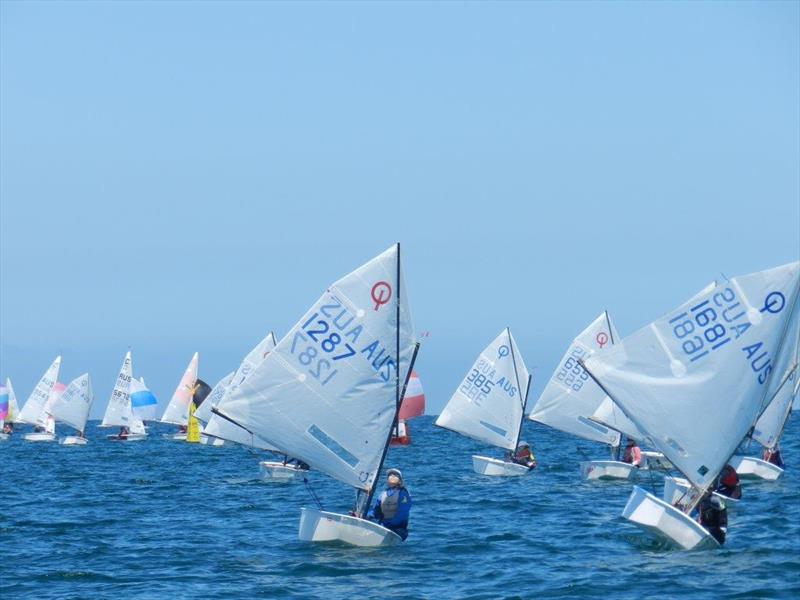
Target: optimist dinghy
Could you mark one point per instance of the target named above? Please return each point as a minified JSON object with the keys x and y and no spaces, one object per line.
{"x":9,"y":411}
{"x":46,"y":424}
{"x":489,"y":405}
{"x":571,"y":398}
{"x":709,"y":357}
{"x":328,"y":394}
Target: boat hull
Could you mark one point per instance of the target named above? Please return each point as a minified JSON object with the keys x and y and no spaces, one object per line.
{"x":39,"y":437}
{"x":175,"y":437}
{"x":209,"y":440}
{"x":131,"y":437}
{"x":400,"y":441}
{"x":323,"y":526}
{"x":679,"y":490}
{"x":666,"y":523}
{"x":277,"y":471}
{"x":750,"y":467}
{"x":656,"y":460}
{"x":493,"y":467}
{"x":73,"y":440}
{"x":607,"y":469}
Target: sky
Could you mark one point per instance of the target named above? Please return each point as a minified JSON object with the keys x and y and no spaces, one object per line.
{"x":187,"y":176}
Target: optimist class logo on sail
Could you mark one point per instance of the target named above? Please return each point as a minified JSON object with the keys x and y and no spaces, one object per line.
{"x":332,"y":333}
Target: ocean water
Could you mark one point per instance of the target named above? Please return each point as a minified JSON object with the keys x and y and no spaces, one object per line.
{"x":161,"y":519}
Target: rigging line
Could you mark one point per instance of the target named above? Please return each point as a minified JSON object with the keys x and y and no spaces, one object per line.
{"x":313,"y":494}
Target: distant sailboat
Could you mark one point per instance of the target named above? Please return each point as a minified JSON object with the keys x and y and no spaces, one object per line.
{"x":119,"y":412}
{"x":177,"y":411}
{"x":413,"y":406}
{"x":571,"y":398}
{"x":3,"y":412}
{"x":769,"y":427}
{"x":12,"y":414}
{"x":72,"y":408}
{"x":330,"y":391}
{"x":694,"y":382}
{"x":200,"y":392}
{"x":34,"y":412}
{"x":489,"y":404}
{"x":144,"y":404}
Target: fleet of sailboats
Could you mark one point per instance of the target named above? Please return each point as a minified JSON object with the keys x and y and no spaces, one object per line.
{"x":335,"y":392}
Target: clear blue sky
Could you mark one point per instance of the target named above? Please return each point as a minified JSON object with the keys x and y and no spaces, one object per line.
{"x":187,"y":176}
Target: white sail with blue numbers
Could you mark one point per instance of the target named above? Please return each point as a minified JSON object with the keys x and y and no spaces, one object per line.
{"x":489,"y":403}
{"x":33,"y":410}
{"x":695,"y":380}
{"x":571,"y":397}
{"x":328,"y":393}
{"x":203,"y":412}
{"x":611,"y":415}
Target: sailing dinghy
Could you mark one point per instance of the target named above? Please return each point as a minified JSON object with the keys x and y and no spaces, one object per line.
{"x":177,"y":411}
{"x":489,"y":405}
{"x":13,"y":412}
{"x":413,"y":406}
{"x":33,"y":413}
{"x":571,"y":398}
{"x":119,"y":412}
{"x":694,"y":382}
{"x":771,"y":422}
{"x":72,"y":408}
{"x":328,"y":394}
{"x":4,"y":395}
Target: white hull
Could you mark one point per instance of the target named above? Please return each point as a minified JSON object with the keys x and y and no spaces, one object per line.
{"x":209,"y":440}
{"x":665,"y":522}
{"x":656,"y":460}
{"x":483,"y":465}
{"x":277,"y":471}
{"x":322,"y":526}
{"x":750,"y":467}
{"x":679,"y":490}
{"x":131,"y":437}
{"x":607,"y":469}
{"x":73,"y":440}
{"x":176,"y":437}
{"x":39,"y":437}
{"x":4,"y":437}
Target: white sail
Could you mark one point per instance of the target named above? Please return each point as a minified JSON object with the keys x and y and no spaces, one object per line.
{"x":488,"y":404}
{"x":571,"y":397}
{"x":611,"y":415}
{"x":13,"y":407}
{"x":144,"y":404}
{"x":328,"y":393}
{"x":73,"y":404}
{"x":694,"y":380}
{"x":254,"y":358}
{"x":769,"y":426}
{"x":203,"y":413}
{"x":34,"y":406}
{"x":177,"y":411}
{"x":118,"y":412}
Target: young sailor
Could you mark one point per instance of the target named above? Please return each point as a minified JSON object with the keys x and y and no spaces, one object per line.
{"x":728,"y":483}
{"x":523,"y":456}
{"x":633,"y":454}
{"x":773,"y":456}
{"x":393,"y":506}
{"x":713,"y":515}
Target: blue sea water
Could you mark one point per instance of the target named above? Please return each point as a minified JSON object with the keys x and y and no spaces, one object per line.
{"x":162,"y":519}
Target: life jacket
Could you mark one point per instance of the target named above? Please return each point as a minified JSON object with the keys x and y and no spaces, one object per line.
{"x":390,"y":499}
{"x":729,"y":477}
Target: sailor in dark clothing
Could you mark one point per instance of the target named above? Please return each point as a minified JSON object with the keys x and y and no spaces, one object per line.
{"x":714,"y":516}
{"x":393,"y":506}
{"x":728,"y":483}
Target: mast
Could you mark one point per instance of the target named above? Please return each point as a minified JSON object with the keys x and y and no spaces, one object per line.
{"x":519,"y":387}
{"x":398,"y":397}
{"x":522,"y":418}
